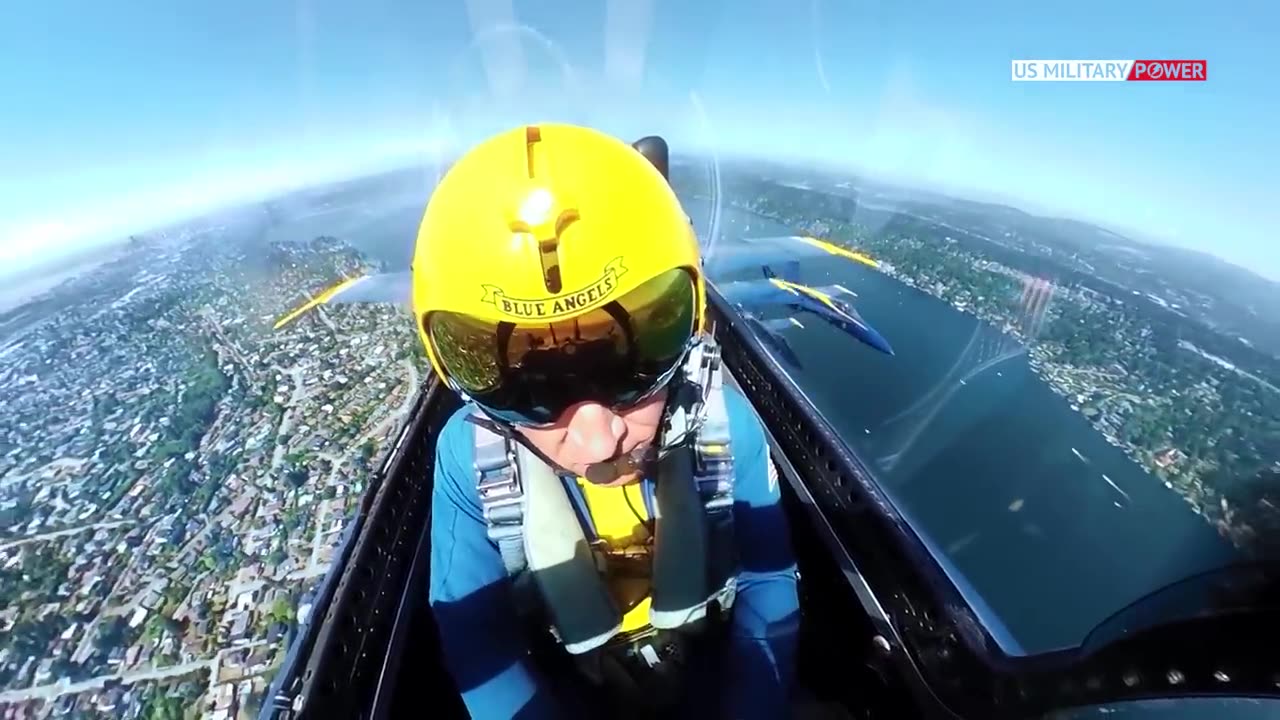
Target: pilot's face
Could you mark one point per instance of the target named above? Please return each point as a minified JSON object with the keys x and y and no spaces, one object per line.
{"x":589,"y":433}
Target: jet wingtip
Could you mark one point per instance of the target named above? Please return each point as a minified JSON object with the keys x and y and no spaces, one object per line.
{"x":321,"y":298}
{"x":834,"y":249}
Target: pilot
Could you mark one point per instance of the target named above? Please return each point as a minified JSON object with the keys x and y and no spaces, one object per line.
{"x":606,"y":534}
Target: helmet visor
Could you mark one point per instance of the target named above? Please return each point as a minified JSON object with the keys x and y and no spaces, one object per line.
{"x":528,"y":373}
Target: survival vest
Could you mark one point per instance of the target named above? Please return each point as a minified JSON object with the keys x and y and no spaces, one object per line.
{"x":554,"y":566}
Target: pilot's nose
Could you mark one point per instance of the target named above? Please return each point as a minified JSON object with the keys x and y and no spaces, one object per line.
{"x":593,"y":432}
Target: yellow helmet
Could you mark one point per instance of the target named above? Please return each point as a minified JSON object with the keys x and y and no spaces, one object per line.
{"x":554,"y":264}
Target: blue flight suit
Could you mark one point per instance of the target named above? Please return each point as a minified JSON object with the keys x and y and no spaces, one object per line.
{"x":486,"y":645}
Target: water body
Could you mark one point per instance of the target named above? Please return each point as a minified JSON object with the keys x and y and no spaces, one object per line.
{"x":384,"y":231}
{"x":1054,"y":527}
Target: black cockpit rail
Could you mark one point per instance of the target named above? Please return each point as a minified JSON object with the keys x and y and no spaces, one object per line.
{"x":943,"y":651}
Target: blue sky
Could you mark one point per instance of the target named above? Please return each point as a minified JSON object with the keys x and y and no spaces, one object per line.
{"x":120,"y":115}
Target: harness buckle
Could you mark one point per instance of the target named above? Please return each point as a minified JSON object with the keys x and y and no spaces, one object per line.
{"x":502,"y":488}
{"x":710,"y":363}
{"x":501,"y":491}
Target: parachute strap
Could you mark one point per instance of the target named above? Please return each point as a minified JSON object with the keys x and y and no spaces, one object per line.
{"x":713,"y":451}
{"x":501,"y":496}
{"x":714,"y":474}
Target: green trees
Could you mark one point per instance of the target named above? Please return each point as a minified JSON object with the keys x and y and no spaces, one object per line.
{"x":206,"y":385}
{"x":34,"y":581}
{"x":161,"y":706}
{"x":281,"y":611}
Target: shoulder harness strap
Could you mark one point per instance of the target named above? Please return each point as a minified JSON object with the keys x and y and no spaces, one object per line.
{"x":501,"y":495}
{"x":713,"y":449}
{"x":714,"y":474}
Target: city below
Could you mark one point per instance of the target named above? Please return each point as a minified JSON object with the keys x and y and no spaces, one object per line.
{"x":176,"y":474}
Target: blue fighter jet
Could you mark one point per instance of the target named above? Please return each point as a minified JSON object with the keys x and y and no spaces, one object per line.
{"x":783,"y":290}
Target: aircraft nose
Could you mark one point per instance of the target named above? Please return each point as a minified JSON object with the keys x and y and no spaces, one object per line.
{"x":593,"y":432}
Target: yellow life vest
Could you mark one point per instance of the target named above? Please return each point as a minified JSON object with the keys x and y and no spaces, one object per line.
{"x":621,"y":520}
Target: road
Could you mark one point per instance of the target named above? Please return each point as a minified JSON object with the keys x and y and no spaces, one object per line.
{"x":54,"y":690}
{"x":307,"y":573}
{"x":207,"y":315}
{"x":324,"y":318}
{"x":380,"y":430}
{"x":216,"y":663}
{"x":85,"y":648}
{"x":322,"y":516}
{"x":286,"y":420}
{"x":63,"y":533}
{"x":406,"y":405}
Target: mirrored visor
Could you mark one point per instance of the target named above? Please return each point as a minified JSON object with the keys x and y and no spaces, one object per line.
{"x":530,"y":372}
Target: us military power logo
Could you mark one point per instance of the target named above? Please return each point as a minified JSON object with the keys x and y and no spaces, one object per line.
{"x":560,"y":305}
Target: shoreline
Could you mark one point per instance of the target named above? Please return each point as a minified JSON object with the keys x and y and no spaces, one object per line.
{"x":1201,"y":499}
{"x":15,"y":296}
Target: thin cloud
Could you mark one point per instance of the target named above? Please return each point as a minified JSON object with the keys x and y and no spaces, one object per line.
{"x":626,"y":40}
{"x":504,"y":61}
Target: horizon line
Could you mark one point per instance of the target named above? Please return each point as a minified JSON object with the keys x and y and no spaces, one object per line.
{"x":393,"y":167}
